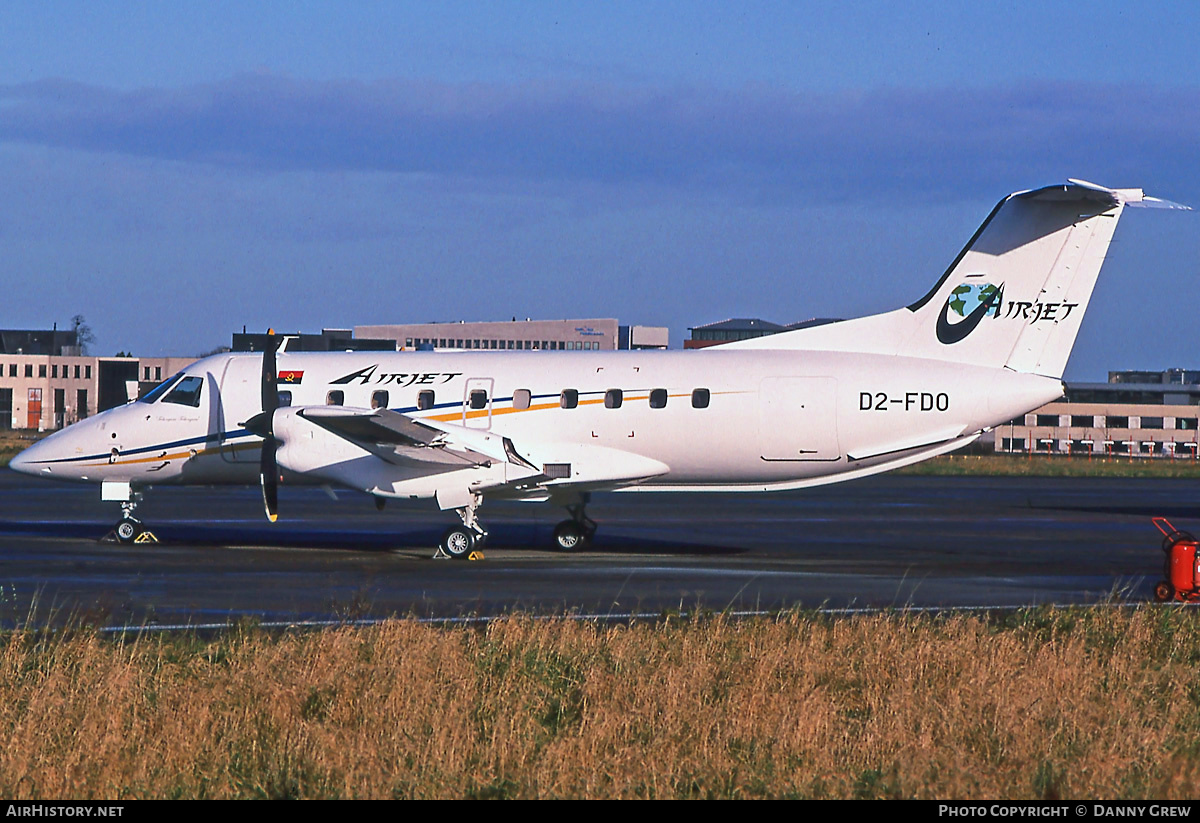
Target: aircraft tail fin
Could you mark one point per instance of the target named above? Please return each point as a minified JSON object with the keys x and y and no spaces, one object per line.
{"x":1015,"y":295}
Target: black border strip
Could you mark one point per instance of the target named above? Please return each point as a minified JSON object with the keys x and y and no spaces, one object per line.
{"x":961,"y":255}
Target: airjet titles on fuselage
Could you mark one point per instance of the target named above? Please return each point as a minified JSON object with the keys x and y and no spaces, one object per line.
{"x":402,"y":379}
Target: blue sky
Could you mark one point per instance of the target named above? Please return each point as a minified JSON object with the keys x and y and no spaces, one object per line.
{"x":175,"y":173}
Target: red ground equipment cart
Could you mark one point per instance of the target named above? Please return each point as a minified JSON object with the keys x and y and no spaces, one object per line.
{"x":1181,"y":567}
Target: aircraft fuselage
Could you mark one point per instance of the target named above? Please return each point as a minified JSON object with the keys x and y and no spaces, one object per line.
{"x":730,"y":420}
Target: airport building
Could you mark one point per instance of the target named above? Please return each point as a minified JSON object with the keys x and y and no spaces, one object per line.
{"x":1134,"y":414}
{"x":46,"y":383}
{"x":743,"y":328}
{"x":327,"y":340}
{"x":590,"y":334}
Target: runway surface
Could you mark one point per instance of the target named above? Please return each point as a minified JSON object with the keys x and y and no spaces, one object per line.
{"x":886,"y":541}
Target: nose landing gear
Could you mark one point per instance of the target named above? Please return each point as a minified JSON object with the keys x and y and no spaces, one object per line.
{"x":128,"y":529}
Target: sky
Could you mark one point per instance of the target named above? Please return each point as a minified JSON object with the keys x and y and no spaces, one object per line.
{"x":175,"y":172}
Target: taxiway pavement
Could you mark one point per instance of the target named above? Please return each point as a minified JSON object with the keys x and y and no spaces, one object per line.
{"x":886,"y":541}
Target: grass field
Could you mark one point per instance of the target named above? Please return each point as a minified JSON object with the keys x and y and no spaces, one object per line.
{"x":1003,"y":465}
{"x":1040,"y":704}
{"x":13,"y":442}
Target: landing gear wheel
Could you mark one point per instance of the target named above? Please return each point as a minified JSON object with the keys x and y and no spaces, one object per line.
{"x":458,"y":542}
{"x":128,"y":529}
{"x":569,"y":536}
{"x":1163,"y":592}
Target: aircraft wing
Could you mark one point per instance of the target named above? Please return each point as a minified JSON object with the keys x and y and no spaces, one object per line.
{"x":561,"y":463}
{"x":438,"y":446}
{"x":375,"y":426}
{"x":401,"y":440}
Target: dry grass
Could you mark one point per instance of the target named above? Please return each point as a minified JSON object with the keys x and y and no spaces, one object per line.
{"x":13,"y":443}
{"x":1102,"y":703}
{"x":1005,"y":465}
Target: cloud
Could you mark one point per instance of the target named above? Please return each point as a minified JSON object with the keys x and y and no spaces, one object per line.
{"x":756,"y":142}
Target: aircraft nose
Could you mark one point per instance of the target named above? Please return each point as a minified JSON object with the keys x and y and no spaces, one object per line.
{"x":24,"y":461}
{"x":42,"y":458}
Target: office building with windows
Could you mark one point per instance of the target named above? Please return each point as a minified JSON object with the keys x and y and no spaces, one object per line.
{"x":1134,"y":414}
{"x":590,"y":334}
{"x":46,"y":383}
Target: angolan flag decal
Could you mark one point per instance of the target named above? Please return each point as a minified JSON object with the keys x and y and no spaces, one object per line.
{"x":291,"y":376}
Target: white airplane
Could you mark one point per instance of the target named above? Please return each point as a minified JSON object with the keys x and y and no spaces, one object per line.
{"x":988,"y":343}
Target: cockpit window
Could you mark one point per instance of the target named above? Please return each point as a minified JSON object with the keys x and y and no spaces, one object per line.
{"x":159,"y":390}
{"x":187,"y":393}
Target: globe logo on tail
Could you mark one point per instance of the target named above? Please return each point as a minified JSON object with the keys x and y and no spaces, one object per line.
{"x":969,"y":303}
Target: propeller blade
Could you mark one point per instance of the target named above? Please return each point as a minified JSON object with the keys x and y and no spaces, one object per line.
{"x":262,"y":424}
{"x":268,"y":476}
{"x":270,"y":377}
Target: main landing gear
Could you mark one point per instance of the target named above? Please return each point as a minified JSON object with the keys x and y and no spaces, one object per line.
{"x":463,"y":542}
{"x":579,"y":530}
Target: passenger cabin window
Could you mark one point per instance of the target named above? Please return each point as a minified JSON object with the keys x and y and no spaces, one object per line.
{"x":186,"y":392}
{"x":658,"y":399}
{"x":521,"y":399}
{"x":335,"y":398}
{"x":569,"y":398}
{"x":379,"y":400}
{"x":478,"y":399}
{"x":285,"y":399}
{"x":700,"y":399}
{"x":613,"y":398}
{"x":424,"y":400}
